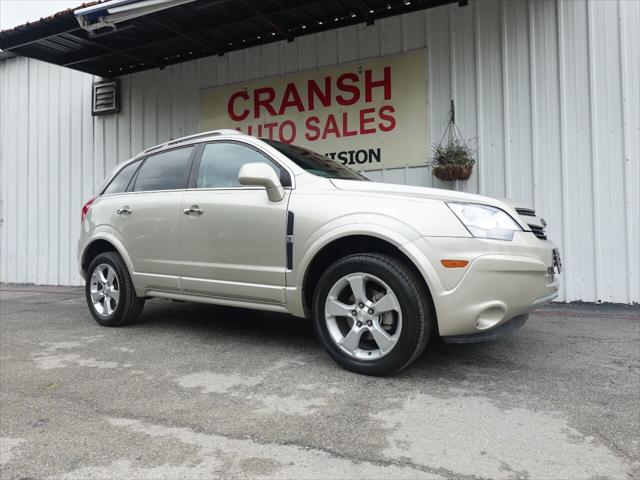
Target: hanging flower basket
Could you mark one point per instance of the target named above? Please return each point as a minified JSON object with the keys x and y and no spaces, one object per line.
{"x":452,"y":172}
{"x":453,"y":158}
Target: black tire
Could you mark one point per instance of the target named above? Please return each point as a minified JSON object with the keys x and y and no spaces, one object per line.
{"x":418,"y":316}
{"x":129,"y":305}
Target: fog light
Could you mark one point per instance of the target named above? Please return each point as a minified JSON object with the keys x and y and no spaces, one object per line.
{"x":490,"y":317}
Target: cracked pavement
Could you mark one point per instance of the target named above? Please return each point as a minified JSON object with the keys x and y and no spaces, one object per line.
{"x":198,"y":391}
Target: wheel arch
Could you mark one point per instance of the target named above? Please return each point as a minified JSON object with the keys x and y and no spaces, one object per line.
{"x":349,"y":244}
{"x":100,"y":244}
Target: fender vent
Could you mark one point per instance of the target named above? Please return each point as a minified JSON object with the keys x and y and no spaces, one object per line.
{"x":290,"y":219}
{"x":105,"y":97}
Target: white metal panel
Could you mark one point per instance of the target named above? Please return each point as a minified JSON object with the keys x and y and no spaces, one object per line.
{"x":518,"y":172}
{"x":307,"y":49}
{"x":327,"y":53}
{"x":347,"y":44}
{"x":546,"y":98}
{"x":76,"y":162}
{"x":579,"y":246}
{"x":5,"y":191}
{"x":438,"y":76}
{"x":608,"y":153}
{"x":413,"y":28}
{"x":65,"y":214}
{"x":463,"y":92}
{"x":52,"y":134}
{"x":549,"y":88}
{"x":629,"y":36}
{"x":390,"y":42}
{"x":33,"y":168}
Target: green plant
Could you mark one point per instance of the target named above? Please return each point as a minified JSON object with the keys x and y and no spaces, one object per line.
{"x":454,"y":152}
{"x":453,"y":160}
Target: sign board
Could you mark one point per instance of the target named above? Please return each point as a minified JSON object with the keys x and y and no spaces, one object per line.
{"x":365,"y":115}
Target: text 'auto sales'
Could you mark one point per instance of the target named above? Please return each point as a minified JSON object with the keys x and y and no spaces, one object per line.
{"x":260,"y":107}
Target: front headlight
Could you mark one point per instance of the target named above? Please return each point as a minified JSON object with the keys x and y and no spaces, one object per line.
{"x":484,"y":221}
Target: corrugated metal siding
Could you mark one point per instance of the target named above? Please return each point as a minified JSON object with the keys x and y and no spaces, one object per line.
{"x":549,"y":88}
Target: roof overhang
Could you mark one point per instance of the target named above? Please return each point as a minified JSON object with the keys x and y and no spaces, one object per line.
{"x":126,"y":36}
{"x":108,"y":15}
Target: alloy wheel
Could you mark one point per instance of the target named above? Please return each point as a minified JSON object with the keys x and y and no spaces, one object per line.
{"x":105,"y":289}
{"x":363,"y":316}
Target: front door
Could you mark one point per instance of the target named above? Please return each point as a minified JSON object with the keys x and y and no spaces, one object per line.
{"x":233,"y":237}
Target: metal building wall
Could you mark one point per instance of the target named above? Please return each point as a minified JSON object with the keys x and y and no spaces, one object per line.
{"x":551,"y":90}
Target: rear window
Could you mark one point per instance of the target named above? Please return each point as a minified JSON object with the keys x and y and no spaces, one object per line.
{"x":165,"y":171}
{"x":122,"y":179}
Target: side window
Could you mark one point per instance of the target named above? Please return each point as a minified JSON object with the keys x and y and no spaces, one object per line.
{"x":165,"y":171}
{"x":122,"y":179}
{"x":221,"y":162}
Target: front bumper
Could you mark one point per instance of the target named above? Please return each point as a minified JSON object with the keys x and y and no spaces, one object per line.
{"x":503,"y":280}
{"x":492,"y":334}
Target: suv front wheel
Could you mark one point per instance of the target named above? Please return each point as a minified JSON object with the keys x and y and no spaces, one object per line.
{"x":109,"y":291}
{"x":371,"y":314}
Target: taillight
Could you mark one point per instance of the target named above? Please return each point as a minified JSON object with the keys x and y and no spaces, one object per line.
{"x":86,"y":207}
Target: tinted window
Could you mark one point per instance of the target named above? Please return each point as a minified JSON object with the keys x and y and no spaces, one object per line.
{"x":315,"y":163}
{"x":221,"y":162}
{"x":122,"y":179}
{"x":165,"y":171}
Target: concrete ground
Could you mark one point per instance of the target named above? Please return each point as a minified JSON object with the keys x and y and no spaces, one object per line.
{"x":196,"y":391}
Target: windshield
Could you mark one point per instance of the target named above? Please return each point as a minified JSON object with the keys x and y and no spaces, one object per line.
{"x":315,"y":163}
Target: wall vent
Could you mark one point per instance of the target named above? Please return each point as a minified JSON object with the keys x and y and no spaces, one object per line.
{"x":106,"y":97}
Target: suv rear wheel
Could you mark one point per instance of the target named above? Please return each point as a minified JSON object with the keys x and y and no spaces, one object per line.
{"x":371,"y":314}
{"x":109,"y":291}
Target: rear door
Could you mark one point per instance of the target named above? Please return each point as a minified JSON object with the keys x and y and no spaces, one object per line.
{"x":148,"y":217}
{"x":233,"y":237}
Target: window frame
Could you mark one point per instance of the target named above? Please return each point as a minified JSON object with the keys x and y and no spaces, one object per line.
{"x":194,"y":149}
{"x":195,"y":169}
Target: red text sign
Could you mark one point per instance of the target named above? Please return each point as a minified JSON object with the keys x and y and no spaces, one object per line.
{"x":369,"y":115}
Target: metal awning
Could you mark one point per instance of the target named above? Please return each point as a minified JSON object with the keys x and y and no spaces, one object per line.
{"x":185,"y":31}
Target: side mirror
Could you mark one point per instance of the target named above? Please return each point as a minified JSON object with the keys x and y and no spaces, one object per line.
{"x":262,"y":175}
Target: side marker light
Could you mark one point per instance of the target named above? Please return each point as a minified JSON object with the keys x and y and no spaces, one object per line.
{"x":454,"y":263}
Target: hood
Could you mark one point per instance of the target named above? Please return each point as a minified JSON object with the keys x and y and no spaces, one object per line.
{"x":376,"y":188}
{"x":422,"y":192}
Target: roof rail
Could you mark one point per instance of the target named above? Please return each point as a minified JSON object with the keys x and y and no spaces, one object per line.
{"x":212,"y":133}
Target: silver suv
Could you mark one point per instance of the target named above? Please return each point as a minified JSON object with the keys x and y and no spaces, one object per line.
{"x":229,"y":219}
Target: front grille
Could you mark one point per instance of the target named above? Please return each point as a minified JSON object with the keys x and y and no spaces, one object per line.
{"x":557,"y":261}
{"x":538,"y":231}
{"x":527,"y":212}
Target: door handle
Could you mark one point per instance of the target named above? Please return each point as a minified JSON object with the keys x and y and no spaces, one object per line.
{"x":193,"y":210}
{"x":124,"y":211}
